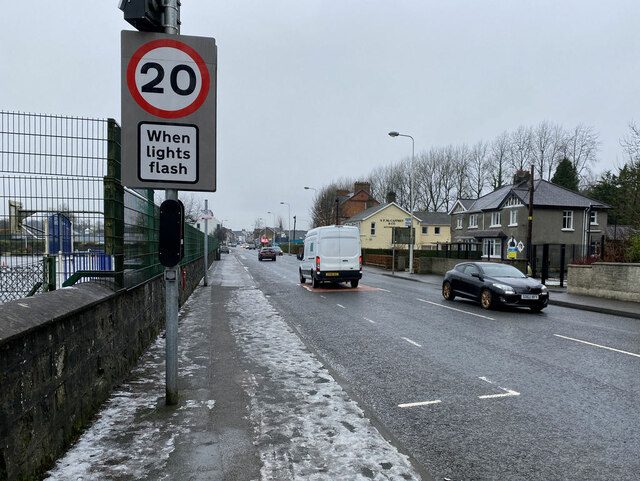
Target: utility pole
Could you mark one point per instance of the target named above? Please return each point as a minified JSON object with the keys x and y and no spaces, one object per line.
{"x":530,"y":223}
{"x":294,"y":234}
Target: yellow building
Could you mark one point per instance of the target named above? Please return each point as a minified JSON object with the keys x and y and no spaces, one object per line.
{"x":376,"y":226}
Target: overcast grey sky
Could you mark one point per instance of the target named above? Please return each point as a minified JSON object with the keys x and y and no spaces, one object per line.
{"x":308,"y":89}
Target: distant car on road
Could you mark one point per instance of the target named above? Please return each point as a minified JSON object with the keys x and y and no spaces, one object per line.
{"x":278,"y":251}
{"x":224,"y":249}
{"x":493,"y":284}
{"x":267,"y":253}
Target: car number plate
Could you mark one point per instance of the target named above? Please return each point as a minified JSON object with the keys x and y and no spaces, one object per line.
{"x":331,"y":274}
{"x":530,"y":297}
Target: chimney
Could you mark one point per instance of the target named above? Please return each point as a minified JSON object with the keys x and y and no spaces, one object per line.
{"x":391,"y":197}
{"x":358,"y":186}
{"x":521,"y":176}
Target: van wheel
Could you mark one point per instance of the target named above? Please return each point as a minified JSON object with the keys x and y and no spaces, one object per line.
{"x":315,"y":283}
{"x":301,"y":276}
{"x":354,"y":283}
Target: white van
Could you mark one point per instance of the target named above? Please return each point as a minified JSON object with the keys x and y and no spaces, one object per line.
{"x":332,"y":254}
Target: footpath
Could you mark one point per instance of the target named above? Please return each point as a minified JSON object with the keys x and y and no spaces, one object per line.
{"x":254,"y":403}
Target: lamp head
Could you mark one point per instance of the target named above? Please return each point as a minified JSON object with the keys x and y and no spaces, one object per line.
{"x":394,"y":134}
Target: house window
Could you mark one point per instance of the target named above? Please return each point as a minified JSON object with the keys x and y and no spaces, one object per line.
{"x":436,"y":230}
{"x":491,"y":248}
{"x":513,"y":217}
{"x":425,"y":230}
{"x":567,"y":220}
{"x":496,"y":219}
{"x":373,"y":228}
{"x":459,"y":222}
{"x":473,"y":221}
{"x":593,"y":220}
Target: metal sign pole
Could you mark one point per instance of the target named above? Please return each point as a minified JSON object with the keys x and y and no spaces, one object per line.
{"x":171,"y":26}
{"x":206,"y":241}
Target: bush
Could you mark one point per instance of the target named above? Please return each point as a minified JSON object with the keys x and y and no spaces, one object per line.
{"x":634,"y":248}
{"x":586,"y":260}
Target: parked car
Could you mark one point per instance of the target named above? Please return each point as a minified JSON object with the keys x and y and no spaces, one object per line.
{"x":224,"y":249}
{"x":493,"y":284}
{"x":332,"y":254}
{"x":278,"y":251}
{"x":267,"y":253}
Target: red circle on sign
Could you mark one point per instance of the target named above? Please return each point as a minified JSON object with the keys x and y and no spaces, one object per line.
{"x":140,"y":100}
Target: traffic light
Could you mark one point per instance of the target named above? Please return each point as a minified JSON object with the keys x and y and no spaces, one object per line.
{"x":171,"y":242}
{"x":145,"y":15}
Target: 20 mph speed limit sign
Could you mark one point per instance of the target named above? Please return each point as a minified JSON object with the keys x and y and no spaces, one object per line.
{"x":168,"y":111}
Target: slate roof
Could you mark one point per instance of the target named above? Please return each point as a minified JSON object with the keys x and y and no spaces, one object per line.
{"x":373,"y":210}
{"x":433,"y":218}
{"x":545,"y":194}
{"x":620,"y":232}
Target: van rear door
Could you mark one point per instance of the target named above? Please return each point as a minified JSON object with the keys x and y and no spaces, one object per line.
{"x":339,"y":251}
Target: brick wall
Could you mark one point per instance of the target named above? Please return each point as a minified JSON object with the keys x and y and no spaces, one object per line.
{"x":611,"y":280}
{"x":61,"y":354}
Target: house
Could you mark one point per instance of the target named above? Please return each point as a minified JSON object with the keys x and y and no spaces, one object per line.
{"x":497,"y":223}
{"x":377,"y":223}
{"x":352,"y":203}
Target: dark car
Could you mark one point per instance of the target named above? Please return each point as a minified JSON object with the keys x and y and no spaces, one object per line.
{"x":493,"y":284}
{"x":267,"y":253}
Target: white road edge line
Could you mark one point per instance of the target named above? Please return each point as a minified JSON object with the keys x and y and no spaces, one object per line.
{"x":598,"y":345}
{"x":411,"y":342}
{"x":425,"y":403}
{"x":380,"y":288}
{"x":367,"y":319}
{"x":459,"y":310}
{"x":340,"y":305}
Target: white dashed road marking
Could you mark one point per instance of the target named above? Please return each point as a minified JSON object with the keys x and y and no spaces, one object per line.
{"x":425,"y":403}
{"x":411,"y":342}
{"x":506,"y":393}
{"x":458,"y":310}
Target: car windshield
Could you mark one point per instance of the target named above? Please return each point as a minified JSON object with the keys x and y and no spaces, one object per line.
{"x":501,"y":270}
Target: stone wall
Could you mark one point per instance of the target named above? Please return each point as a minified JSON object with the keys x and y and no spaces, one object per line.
{"x":611,"y":280}
{"x":61,"y":354}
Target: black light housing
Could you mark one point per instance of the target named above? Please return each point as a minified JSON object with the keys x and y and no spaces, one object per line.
{"x":144,"y":15}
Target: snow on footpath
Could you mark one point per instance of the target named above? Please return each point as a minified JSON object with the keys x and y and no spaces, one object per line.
{"x":306,"y":425}
{"x":254,"y":404}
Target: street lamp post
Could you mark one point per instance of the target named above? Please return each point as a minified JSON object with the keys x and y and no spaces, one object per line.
{"x":397,"y":134}
{"x":273,"y":236}
{"x":289,"y":223}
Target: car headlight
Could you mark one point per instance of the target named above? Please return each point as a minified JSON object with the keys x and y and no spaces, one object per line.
{"x":503,"y":287}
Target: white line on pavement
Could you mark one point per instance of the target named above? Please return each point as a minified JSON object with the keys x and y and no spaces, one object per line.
{"x":425,"y":403}
{"x":459,"y":310}
{"x":383,"y":289}
{"x":366,"y":319}
{"x":598,"y":345}
{"x":411,"y":342}
{"x":508,"y":392}
{"x":340,"y":305}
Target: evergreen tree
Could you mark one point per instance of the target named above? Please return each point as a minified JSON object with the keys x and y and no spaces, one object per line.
{"x":566,"y":175}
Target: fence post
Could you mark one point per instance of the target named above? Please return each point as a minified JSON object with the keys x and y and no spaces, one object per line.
{"x":562,"y":258}
{"x":114,"y":203}
{"x":49,"y":277}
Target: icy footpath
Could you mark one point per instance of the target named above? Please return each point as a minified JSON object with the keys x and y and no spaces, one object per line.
{"x":254,"y":403}
{"x":306,"y":426}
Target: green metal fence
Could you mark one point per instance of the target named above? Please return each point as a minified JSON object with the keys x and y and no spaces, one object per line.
{"x":65,"y":216}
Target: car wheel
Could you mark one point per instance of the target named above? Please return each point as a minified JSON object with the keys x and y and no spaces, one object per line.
{"x":354,"y":283}
{"x":302,"y":280}
{"x":275,"y":259}
{"x":486,"y":299}
{"x":260,"y":259}
{"x":447,"y":292}
{"x":314,"y":282}
{"x":536,"y":308}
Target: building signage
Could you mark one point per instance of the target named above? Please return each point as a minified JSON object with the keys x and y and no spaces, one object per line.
{"x":168,"y":111}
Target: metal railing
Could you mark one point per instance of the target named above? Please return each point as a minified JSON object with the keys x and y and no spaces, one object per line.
{"x":61,"y":199}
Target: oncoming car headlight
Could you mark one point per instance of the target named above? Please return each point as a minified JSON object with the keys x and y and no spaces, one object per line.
{"x":504,"y":287}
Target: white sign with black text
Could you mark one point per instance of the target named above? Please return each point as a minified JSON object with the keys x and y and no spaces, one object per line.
{"x":167,"y":152}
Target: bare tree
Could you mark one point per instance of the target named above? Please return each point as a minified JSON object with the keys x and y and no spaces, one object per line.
{"x":520,"y":152}
{"x":498,"y":160}
{"x":478,"y":170}
{"x":631,"y":143}
{"x":192,"y":208}
{"x":548,"y":145}
{"x":323,"y":210}
{"x":581,"y":149}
